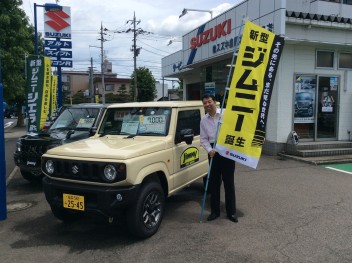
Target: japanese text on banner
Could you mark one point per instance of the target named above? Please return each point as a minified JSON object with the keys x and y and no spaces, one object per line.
{"x":242,"y":132}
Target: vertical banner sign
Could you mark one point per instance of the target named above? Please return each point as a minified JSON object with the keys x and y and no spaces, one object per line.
{"x":38,"y":91}
{"x":242,"y":132}
{"x":53,"y":104}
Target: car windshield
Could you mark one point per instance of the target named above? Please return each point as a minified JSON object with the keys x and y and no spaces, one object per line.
{"x":144,"y":121}
{"x":75,"y":118}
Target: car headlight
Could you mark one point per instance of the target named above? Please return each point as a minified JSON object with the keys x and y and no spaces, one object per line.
{"x":49,"y":166}
{"x":110,"y":173}
{"x":18,"y":146}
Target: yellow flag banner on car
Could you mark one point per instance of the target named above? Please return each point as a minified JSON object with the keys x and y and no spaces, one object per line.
{"x":53,"y":104}
{"x":38,"y":91}
{"x":242,"y":132}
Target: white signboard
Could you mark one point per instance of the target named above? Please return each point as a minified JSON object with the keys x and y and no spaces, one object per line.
{"x":57,"y":24}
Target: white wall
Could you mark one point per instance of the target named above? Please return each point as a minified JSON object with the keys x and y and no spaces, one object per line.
{"x":300,"y":59}
{"x":159,"y":90}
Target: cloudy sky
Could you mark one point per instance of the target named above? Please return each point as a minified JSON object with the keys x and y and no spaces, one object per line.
{"x":159,"y":17}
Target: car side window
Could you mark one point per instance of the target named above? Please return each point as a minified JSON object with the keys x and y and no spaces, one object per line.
{"x":189,"y":119}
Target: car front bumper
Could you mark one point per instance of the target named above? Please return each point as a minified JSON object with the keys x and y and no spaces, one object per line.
{"x":104,"y":200}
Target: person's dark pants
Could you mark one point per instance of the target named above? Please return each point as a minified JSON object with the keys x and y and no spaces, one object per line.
{"x":222,"y":169}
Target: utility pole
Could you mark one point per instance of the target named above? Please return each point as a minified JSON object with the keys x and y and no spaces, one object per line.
{"x":136,"y":50}
{"x":135,"y":56}
{"x":163,"y":89}
{"x":91,"y":86}
{"x":102,"y":59}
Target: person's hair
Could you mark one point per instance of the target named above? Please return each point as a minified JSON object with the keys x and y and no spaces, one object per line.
{"x":207,"y":96}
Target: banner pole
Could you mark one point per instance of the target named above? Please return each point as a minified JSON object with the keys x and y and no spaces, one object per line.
{"x":221,"y":109}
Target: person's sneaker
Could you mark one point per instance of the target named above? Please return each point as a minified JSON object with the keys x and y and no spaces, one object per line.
{"x":212,"y":217}
{"x":233,"y":218}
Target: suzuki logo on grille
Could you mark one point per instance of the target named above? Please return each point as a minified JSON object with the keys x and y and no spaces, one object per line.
{"x":75,"y":169}
{"x":57,"y":21}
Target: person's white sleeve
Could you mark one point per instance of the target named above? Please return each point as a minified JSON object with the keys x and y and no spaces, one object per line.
{"x":204,"y":139}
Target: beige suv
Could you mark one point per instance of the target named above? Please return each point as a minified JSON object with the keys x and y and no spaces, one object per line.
{"x":140,"y":154}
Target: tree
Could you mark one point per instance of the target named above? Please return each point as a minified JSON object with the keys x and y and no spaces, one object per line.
{"x":16,"y":41}
{"x":123,"y":94}
{"x":114,"y":98}
{"x":77,"y":98}
{"x":145,"y":85}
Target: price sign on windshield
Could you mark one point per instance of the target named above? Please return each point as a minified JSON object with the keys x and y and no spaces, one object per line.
{"x":154,"y":124}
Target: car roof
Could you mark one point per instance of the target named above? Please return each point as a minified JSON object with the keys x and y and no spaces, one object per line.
{"x":88,"y":105}
{"x":172,"y":104}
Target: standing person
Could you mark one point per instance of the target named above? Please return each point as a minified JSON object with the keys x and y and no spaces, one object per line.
{"x":222,"y":169}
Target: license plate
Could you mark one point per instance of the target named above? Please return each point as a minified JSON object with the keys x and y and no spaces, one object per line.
{"x":75,"y":202}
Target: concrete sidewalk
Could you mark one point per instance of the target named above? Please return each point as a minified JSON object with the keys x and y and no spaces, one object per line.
{"x":15,"y":132}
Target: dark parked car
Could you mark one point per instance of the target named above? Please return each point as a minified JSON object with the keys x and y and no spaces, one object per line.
{"x":74,"y":123}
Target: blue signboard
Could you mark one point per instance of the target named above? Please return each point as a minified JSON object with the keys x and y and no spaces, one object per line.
{"x":62,"y":63}
{"x":58,"y":44}
{"x":54,"y":53}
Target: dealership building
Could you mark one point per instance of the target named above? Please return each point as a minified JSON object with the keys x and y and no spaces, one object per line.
{"x":312,"y":94}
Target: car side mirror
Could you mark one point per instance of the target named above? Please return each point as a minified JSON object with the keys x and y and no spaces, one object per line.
{"x":68,"y":135}
{"x":185,"y":135}
{"x":93,"y":131}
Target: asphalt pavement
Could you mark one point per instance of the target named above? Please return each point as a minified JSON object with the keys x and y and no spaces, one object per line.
{"x":11,"y":133}
{"x":289,"y":211}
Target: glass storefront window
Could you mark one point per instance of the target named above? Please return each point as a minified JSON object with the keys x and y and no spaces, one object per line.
{"x":216,"y":73}
{"x":304,"y":105}
{"x":315,"y":106}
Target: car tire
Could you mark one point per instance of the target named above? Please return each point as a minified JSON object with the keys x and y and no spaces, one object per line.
{"x":64,"y":215}
{"x":145,"y":217}
{"x":31,"y":177}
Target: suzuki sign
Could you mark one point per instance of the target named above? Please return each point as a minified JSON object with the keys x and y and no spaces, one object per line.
{"x":57,"y":23}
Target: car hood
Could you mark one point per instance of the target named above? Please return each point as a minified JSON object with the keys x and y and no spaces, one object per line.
{"x":53,"y":137}
{"x":111,"y":147}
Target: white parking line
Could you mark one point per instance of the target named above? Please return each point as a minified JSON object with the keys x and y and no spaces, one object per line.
{"x":8,"y":124}
{"x":11,"y":175}
{"x":342,"y":171}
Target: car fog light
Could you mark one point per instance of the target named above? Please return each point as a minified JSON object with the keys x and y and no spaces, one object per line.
{"x":119,"y":197}
{"x":110,"y":173}
{"x":49,"y":166}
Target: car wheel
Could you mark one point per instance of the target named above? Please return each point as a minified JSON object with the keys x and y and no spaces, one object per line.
{"x":33,"y":178}
{"x":64,"y":215}
{"x":145,"y":217}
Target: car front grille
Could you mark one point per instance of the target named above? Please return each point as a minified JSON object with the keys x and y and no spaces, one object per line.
{"x":34,"y":149}
{"x":81,"y":170}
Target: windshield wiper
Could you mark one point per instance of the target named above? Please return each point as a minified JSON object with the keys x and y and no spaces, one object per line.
{"x":150,"y":133}
{"x":109,"y":133}
{"x":130,"y":136}
{"x":60,"y":128}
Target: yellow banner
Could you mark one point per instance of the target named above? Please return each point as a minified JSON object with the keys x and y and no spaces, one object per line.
{"x":45,"y":109}
{"x":53,"y":95}
{"x":242,"y":132}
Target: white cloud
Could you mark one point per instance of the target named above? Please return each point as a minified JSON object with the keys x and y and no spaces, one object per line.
{"x":161,"y":17}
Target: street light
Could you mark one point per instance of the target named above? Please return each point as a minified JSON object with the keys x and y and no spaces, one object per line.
{"x":172,"y":41}
{"x":185,"y":11}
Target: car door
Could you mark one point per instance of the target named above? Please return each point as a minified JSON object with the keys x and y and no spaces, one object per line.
{"x":189,"y":159}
